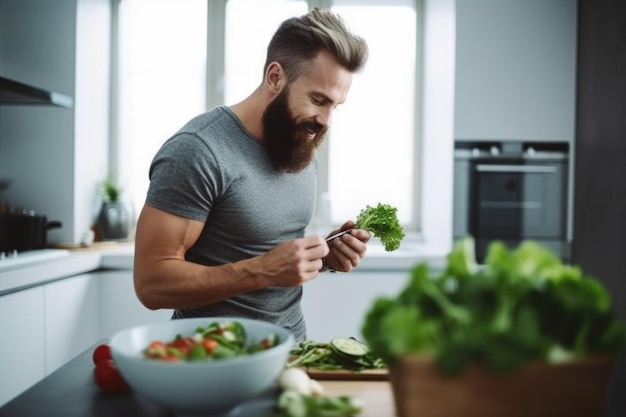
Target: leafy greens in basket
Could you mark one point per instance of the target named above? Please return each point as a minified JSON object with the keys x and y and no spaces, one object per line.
{"x":523,"y":304}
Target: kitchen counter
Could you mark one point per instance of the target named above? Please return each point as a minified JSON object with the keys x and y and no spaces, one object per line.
{"x":71,"y":391}
{"x":55,"y":264}
{"x":39,"y":271}
{"x":376,"y":259}
{"x":40,"y":267}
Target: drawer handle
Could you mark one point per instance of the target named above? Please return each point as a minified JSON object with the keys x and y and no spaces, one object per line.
{"x":517,"y":168}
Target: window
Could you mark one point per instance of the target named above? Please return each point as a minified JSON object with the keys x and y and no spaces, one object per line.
{"x":399,"y":146}
{"x":161,"y":81}
{"x":376,"y":125}
{"x":245,"y":50}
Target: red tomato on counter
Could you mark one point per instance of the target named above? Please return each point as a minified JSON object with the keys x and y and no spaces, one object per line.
{"x":108,"y":377}
{"x":102,"y":352}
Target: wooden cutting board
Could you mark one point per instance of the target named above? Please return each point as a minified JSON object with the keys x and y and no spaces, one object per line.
{"x":346,"y":375}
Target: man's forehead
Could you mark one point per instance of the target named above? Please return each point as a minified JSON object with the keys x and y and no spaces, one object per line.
{"x":326,"y":78}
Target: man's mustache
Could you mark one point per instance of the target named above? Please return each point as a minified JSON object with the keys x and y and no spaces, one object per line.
{"x":314,"y":127}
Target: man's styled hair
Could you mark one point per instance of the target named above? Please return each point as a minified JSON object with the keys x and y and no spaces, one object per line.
{"x":300,"y":39}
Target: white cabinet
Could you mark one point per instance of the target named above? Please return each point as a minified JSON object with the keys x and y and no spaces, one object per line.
{"x":22,"y":347}
{"x":336,"y":304}
{"x":71,"y":308}
{"x":516,"y":70}
{"x":44,"y":327}
{"x":119,"y":307}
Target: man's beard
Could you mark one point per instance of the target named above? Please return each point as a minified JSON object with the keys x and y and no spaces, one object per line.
{"x":286,"y":141}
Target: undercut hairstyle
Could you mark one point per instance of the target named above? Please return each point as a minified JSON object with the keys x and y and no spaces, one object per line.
{"x":300,"y":39}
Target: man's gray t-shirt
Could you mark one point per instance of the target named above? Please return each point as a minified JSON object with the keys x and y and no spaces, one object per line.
{"x":213,"y":170}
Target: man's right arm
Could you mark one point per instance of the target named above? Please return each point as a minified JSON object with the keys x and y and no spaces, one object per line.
{"x":164,"y":279}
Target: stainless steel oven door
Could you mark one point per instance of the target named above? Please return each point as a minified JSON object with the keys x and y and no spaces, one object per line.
{"x":517,"y":199}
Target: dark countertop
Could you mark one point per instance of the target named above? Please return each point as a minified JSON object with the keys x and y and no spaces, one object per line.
{"x":70,"y":391}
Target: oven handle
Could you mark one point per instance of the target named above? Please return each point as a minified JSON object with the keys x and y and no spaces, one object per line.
{"x":542,"y":169}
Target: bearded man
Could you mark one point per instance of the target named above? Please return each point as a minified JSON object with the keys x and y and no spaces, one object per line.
{"x":222,"y":231}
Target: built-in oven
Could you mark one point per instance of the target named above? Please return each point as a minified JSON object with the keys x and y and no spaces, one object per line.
{"x":512,"y":191}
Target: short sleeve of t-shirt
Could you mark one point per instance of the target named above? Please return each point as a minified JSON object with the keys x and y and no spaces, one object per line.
{"x":184,"y":177}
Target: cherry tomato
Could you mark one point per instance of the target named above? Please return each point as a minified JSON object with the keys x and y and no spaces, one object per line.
{"x":102,"y":352}
{"x":209,"y":344}
{"x":108,"y":377}
{"x":184,"y":344}
{"x":156,"y":349}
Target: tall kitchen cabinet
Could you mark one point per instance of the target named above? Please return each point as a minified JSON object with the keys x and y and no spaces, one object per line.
{"x":515,"y":81}
{"x":600,"y":203}
{"x":56,"y":156}
{"x":515,"y":70}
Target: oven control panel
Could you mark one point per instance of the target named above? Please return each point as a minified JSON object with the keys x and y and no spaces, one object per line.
{"x":525,"y":150}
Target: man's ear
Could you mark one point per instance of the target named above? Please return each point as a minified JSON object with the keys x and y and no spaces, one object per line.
{"x":275,"y":77}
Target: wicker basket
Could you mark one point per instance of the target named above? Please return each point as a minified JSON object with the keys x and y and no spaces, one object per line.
{"x":573,"y":389}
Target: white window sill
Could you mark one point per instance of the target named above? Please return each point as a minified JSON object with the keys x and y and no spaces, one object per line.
{"x":413,"y":250}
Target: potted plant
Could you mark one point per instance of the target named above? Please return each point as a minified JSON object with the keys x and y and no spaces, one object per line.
{"x":521,"y":335}
{"x":114,"y":220}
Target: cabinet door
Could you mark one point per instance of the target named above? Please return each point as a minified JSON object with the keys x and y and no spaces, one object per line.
{"x":22,"y":347}
{"x":119,"y":306}
{"x":71,"y":319}
{"x":515,"y":70}
{"x":336,"y":304}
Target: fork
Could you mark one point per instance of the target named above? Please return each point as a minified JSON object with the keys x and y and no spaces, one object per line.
{"x":336,"y":235}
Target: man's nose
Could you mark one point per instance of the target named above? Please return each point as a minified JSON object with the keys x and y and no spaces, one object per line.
{"x":325,"y":117}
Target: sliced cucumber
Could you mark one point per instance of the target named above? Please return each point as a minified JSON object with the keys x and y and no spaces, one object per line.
{"x":349,"y":347}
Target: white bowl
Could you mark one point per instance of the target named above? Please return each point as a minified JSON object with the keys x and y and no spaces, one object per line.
{"x":201,"y":387}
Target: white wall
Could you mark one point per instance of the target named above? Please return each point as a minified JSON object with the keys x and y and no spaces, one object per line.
{"x":55,"y":156}
{"x":35,"y":141}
